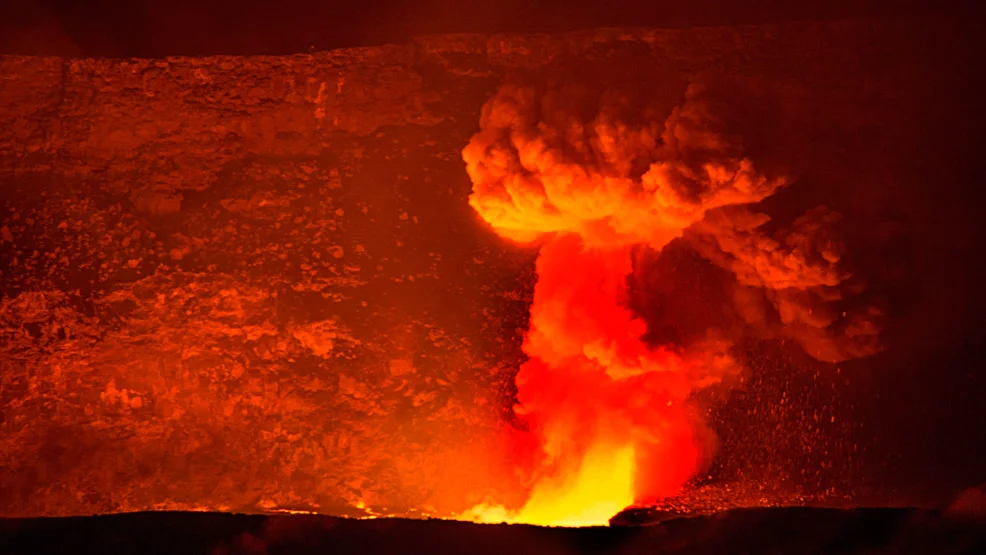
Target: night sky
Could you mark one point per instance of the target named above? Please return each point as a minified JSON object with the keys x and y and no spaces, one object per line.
{"x":157,"y":28}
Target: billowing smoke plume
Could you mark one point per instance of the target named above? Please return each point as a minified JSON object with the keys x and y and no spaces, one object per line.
{"x":539,"y":166}
{"x":793,"y":284}
{"x":589,"y":176}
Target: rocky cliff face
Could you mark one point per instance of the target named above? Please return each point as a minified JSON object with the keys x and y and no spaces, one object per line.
{"x":250,"y":283}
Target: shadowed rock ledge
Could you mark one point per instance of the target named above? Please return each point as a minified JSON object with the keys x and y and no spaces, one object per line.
{"x":787,"y":530}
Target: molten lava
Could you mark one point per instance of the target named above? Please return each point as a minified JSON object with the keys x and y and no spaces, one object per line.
{"x":601,"y":487}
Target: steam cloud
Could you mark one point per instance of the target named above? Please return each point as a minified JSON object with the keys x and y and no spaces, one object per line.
{"x":588,"y":176}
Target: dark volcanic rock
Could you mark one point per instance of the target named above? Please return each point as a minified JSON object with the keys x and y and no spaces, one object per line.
{"x":791,"y":530}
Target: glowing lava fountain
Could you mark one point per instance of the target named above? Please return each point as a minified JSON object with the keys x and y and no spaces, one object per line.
{"x":608,"y":422}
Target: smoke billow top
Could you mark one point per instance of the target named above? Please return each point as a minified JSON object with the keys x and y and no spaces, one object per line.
{"x":588,"y":176}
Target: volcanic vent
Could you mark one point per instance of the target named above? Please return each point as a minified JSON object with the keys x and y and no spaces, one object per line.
{"x":594,"y":177}
{"x":524,"y":278}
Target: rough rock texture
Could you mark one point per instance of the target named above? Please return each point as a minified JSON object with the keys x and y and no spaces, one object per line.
{"x":254,"y":283}
{"x":784,"y":530}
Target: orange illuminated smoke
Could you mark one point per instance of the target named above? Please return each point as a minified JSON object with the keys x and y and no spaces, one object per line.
{"x":607,"y":416}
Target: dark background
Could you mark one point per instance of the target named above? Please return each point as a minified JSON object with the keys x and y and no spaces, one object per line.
{"x":157,"y":28}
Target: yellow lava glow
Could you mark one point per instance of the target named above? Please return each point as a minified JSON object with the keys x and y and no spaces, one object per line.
{"x":600,"y":488}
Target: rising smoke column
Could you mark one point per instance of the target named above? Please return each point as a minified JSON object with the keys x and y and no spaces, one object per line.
{"x":588,"y":177}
